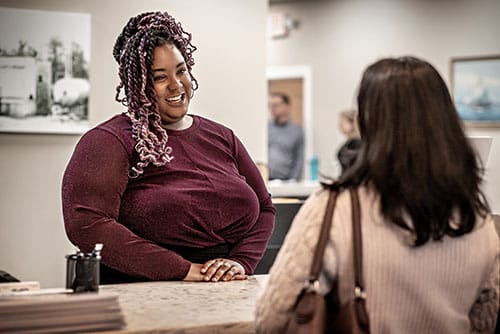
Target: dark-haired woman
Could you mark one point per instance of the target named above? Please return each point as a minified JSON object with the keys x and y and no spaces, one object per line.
{"x":430,"y":249}
{"x":172,"y":196}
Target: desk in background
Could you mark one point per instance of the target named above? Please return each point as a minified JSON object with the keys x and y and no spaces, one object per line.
{"x":286,"y":209}
{"x":188,"y":307}
{"x":288,"y":197}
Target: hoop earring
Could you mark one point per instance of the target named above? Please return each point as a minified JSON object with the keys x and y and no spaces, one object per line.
{"x":194,"y":86}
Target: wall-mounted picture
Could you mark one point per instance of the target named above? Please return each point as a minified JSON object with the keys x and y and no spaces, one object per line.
{"x":44,"y":71}
{"x":475,"y":85}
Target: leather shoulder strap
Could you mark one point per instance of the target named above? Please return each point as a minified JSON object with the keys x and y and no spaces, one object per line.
{"x":323,"y":237}
{"x":357,"y":242}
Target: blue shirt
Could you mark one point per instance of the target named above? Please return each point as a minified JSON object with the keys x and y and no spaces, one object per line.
{"x":285,"y":150}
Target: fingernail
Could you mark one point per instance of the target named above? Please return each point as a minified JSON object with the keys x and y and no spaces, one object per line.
{"x":207,"y":278}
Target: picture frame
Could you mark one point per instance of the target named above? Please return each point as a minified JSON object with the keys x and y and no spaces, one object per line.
{"x":475,"y":87}
{"x":44,"y":71}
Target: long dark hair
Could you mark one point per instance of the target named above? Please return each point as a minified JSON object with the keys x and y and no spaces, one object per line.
{"x":415,"y":152}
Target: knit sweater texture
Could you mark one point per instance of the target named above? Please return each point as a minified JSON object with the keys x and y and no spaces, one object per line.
{"x":446,"y":286}
{"x":211,"y":193}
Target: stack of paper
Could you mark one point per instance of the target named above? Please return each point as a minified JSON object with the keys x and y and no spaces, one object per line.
{"x":59,"y":313}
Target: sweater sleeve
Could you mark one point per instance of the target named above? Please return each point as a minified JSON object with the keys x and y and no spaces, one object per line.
{"x":291,"y":267}
{"x":95,"y":179}
{"x":250,"y":248}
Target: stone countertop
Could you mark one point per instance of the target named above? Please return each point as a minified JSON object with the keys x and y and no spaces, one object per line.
{"x":188,"y":307}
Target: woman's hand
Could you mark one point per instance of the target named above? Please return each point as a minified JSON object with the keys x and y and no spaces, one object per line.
{"x":222,"y":270}
{"x":194,"y":273}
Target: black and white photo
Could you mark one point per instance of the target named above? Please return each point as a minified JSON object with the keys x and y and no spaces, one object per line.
{"x":44,"y":71}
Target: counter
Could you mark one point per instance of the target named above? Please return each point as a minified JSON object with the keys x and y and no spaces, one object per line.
{"x":188,"y":307}
{"x":292,"y":189}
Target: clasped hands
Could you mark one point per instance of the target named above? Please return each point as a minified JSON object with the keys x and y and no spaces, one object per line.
{"x":216,"y":270}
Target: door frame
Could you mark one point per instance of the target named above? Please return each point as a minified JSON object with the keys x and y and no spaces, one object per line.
{"x":303,"y":72}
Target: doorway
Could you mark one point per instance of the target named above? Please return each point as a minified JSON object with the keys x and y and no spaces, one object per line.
{"x":293,"y":88}
{"x":296,"y":82}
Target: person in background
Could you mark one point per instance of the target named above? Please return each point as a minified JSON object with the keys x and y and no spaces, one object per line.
{"x":285,"y":141}
{"x":348,"y":152}
{"x":430,"y":250}
{"x":171,"y":195}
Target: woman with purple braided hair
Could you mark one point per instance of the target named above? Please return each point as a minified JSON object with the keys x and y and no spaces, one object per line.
{"x":171,"y":195}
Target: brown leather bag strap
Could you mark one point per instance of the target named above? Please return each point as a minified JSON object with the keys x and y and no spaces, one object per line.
{"x":357,"y":242}
{"x":323,"y":237}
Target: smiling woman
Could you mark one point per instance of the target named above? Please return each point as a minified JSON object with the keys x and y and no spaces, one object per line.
{"x":171,"y":195}
{"x":172,"y":84}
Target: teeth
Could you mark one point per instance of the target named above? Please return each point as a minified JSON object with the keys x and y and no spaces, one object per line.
{"x":174,"y":98}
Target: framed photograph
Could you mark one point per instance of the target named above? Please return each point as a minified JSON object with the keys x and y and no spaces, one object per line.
{"x":475,"y":83}
{"x":44,"y":71}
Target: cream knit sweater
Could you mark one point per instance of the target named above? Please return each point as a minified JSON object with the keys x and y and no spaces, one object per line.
{"x":447,"y":286}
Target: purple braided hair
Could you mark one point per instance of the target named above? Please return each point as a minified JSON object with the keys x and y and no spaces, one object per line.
{"x":133,"y":51}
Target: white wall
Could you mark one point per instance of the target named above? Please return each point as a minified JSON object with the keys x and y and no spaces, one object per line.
{"x":340,"y":38}
{"x":230,"y":68}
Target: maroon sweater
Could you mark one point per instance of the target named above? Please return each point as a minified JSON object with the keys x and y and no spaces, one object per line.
{"x":211,"y":193}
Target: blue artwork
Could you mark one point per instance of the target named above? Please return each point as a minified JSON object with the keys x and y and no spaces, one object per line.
{"x":476,"y":89}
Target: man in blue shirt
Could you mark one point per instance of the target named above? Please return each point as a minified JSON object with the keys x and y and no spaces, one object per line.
{"x":285,"y":141}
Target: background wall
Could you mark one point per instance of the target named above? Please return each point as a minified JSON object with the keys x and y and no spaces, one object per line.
{"x":32,"y":238}
{"x":338,"y":39}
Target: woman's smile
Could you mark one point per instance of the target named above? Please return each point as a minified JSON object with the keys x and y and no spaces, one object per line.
{"x":176,"y":98}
